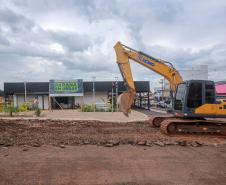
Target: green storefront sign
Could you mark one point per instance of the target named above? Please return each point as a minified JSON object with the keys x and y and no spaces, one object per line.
{"x":66,"y":88}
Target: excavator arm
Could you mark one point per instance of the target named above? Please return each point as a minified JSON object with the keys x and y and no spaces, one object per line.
{"x":123,"y":54}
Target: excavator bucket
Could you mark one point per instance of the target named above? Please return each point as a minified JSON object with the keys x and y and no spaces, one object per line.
{"x":125,"y":101}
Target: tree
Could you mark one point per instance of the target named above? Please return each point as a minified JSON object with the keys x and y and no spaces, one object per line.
{"x":9,"y":107}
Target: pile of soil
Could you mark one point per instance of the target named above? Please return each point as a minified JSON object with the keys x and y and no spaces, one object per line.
{"x":64,"y":132}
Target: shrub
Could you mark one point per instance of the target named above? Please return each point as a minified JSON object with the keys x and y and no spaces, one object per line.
{"x":23,"y":107}
{"x":38,"y":112}
{"x":88,"y":108}
{"x":1,"y":107}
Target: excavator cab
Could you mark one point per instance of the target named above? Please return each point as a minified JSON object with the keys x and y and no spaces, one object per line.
{"x":192,"y":94}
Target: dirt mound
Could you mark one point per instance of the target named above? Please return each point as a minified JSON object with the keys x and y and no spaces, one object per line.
{"x":60,"y":132}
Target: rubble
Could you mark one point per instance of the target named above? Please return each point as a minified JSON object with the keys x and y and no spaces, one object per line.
{"x":36,"y":145}
{"x":109,"y":145}
{"x":130,"y":142}
{"x":25,"y":149}
{"x":196,"y":144}
{"x":182,"y":143}
{"x":159,"y":143}
{"x":149,"y":143}
{"x":142,"y":143}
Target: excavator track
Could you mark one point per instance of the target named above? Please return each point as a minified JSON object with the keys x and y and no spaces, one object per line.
{"x":183,"y":126}
{"x":156,"y":121}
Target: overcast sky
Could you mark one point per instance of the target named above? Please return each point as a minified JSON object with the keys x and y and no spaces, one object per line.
{"x":56,"y":39}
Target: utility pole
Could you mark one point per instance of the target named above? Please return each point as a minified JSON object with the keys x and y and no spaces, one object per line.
{"x":94,"y":96}
{"x":116,"y":96}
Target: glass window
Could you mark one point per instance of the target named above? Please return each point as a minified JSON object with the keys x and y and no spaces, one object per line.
{"x":194,"y":99}
{"x":178,"y":104}
{"x":210,"y":93}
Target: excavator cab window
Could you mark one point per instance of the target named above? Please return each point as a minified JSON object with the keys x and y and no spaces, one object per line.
{"x":179,"y":97}
{"x":194,"y":98}
{"x":210,"y":93}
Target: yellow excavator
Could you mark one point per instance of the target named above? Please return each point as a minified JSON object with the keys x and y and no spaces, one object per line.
{"x":195,"y":108}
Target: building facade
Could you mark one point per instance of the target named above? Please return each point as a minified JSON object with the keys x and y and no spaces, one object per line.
{"x":221,"y":89}
{"x":196,"y":72}
{"x":92,"y":92}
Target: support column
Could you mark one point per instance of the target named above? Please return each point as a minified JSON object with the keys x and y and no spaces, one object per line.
{"x":50,"y":103}
{"x":148,"y":100}
{"x":140,"y":100}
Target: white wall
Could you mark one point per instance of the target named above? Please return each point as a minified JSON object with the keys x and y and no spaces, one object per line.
{"x":15,"y":100}
{"x":79,"y":100}
{"x":40,"y":102}
{"x":100,"y":97}
{"x":19,"y":99}
{"x":46,"y":102}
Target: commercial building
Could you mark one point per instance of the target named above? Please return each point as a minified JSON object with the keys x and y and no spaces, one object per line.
{"x":196,"y":72}
{"x":69,"y":94}
{"x":221,"y":89}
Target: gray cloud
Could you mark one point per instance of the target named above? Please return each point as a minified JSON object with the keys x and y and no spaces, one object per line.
{"x":44,"y":39}
{"x":15,"y":22}
{"x":4,"y":41}
{"x":72,"y":41}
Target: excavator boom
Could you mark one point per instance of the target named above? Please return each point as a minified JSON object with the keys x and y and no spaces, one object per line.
{"x":123,"y":55}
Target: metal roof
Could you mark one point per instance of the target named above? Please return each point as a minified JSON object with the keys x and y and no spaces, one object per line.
{"x":220,"y":82}
{"x":11,"y":88}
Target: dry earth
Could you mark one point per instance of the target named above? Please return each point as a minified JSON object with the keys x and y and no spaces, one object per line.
{"x":57,"y":151}
{"x":121,"y":165}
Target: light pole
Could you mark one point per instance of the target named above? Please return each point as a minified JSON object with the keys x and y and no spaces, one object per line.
{"x":116,"y":96}
{"x":112,"y":98}
{"x":162,"y":86}
{"x":94,"y":98}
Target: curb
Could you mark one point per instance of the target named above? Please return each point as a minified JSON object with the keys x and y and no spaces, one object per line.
{"x":159,"y":111}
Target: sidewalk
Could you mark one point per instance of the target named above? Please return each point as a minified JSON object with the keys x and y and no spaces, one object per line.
{"x":77,"y":115}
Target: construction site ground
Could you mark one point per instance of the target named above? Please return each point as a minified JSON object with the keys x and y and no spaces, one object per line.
{"x":105,"y":148}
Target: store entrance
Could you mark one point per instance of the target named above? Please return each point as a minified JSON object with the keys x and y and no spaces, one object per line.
{"x":63,"y":102}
